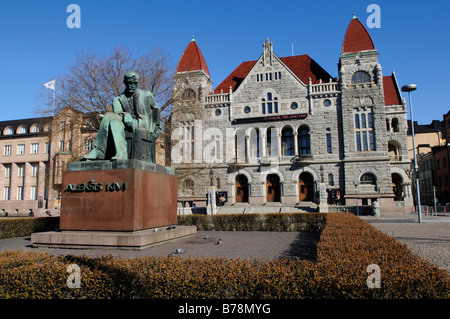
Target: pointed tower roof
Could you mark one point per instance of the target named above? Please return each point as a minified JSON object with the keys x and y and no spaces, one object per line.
{"x":192,"y":59}
{"x":357,"y":38}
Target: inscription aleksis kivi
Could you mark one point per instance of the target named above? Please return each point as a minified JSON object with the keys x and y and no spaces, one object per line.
{"x":95,"y":187}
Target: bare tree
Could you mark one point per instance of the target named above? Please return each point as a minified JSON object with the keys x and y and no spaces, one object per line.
{"x":93,"y":80}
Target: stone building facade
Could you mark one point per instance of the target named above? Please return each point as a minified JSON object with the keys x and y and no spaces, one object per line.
{"x":276,"y":128}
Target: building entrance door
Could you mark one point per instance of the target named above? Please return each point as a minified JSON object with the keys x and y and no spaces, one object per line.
{"x":306,"y":187}
{"x":241,"y":189}
{"x":273,"y":188}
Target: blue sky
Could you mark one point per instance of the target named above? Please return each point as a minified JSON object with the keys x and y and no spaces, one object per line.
{"x":37,"y":45}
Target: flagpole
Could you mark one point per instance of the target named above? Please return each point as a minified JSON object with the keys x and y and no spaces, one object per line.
{"x":52,"y":86}
{"x":53,"y":106}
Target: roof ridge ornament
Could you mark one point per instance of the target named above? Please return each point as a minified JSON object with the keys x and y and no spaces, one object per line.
{"x":354,"y":16}
{"x":193,"y":38}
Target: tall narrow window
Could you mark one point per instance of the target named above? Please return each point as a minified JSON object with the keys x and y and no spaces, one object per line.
{"x":7,"y":150}
{"x":20,"y":170}
{"x":364,"y":130}
{"x":329,"y":146}
{"x":7,"y":170}
{"x":34,"y":148}
{"x":33,"y":194}
{"x":269,"y":141}
{"x":19,"y":192}
{"x":269,"y":103}
{"x":263,"y":106}
{"x":6,"y":193}
{"x":34,"y":169}
{"x":330,"y":179}
{"x":287,"y":142}
{"x":20,"y":149}
{"x":363,"y":121}
{"x":275,"y":105}
{"x":304,"y":145}
{"x":358,"y":142}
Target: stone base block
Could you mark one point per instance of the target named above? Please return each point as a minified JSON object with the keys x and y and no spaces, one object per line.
{"x":137,"y":240}
{"x":125,"y":195}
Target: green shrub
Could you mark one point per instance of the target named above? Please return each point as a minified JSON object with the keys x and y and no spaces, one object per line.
{"x":256,"y":222}
{"x":20,"y":227}
{"x":347,"y":246}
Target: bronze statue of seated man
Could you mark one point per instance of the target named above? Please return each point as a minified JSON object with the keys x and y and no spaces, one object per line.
{"x":133,"y":111}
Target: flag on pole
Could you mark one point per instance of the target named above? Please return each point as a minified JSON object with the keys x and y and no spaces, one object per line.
{"x":50,"y":85}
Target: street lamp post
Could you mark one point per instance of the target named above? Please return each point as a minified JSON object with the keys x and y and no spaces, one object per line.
{"x":409,"y":88}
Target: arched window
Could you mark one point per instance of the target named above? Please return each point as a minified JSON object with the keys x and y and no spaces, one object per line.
{"x":368,"y":179}
{"x":394,"y":151}
{"x":360,"y":77}
{"x":240,"y":146}
{"x":329,"y":143}
{"x":188,"y":187}
{"x":255,"y":140}
{"x":269,"y":103}
{"x":304,"y":141}
{"x":8,"y":131}
{"x":35,"y":128}
{"x":21,"y":129}
{"x":287,"y":142}
{"x":189,"y":94}
{"x":357,"y":124}
{"x":271,"y":141}
{"x":330,"y":179}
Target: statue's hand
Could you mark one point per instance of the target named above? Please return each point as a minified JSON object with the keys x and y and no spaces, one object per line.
{"x":128,"y":120}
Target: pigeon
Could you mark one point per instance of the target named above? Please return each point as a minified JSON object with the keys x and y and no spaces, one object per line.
{"x":170,"y":255}
{"x":156,"y":229}
{"x":179,"y":251}
{"x":206,"y":236}
{"x":169,"y":228}
{"x":219,"y":241}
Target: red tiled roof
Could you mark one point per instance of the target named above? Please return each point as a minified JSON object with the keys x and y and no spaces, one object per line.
{"x":391,"y":93}
{"x":304,"y":68}
{"x":357,"y":38}
{"x":235,"y":78}
{"x":301,"y":65}
{"x":192,"y":60}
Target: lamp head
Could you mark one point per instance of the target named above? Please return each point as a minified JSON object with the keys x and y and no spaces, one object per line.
{"x":409,"y":88}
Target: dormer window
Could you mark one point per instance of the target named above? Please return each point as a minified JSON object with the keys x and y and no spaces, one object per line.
{"x":21,"y":129}
{"x":360,"y":77}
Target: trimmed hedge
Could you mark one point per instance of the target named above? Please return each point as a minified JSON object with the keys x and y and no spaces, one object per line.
{"x":347,"y":246}
{"x":313,"y":222}
{"x":25,"y":226}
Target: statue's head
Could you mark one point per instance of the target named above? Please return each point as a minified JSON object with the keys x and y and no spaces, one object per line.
{"x":131,"y":80}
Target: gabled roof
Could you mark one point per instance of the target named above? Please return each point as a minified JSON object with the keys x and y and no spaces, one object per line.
{"x":192,"y":60}
{"x":392,"y":94}
{"x":357,"y":38}
{"x":301,"y":65}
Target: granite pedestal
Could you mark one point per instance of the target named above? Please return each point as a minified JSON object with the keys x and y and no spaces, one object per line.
{"x":116,"y":204}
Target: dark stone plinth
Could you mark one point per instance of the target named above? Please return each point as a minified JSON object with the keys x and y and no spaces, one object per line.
{"x":123,"y":195}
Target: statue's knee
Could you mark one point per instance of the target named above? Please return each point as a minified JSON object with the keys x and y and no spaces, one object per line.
{"x":112,"y":117}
